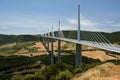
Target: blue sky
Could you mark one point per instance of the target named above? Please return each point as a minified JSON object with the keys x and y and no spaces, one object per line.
{"x":36,"y":16}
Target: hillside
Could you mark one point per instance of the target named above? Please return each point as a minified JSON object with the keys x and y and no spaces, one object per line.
{"x":5,"y":39}
{"x":107,"y":71}
{"x":85,"y":35}
{"x":30,"y":61}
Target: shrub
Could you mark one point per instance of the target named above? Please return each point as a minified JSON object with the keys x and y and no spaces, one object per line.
{"x":53,"y":70}
{"x":84,"y":67}
{"x":63,"y":66}
{"x":16,"y":77}
{"x":40,"y":76}
{"x":78,"y":70}
{"x":49,"y":72}
{"x":63,"y":75}
{"x":116,"y":62}
{"x":36,"y":76}
{"x":33,"y":77}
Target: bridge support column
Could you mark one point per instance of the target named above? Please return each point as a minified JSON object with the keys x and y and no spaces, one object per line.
{"x":78,"y":55}
{"x":78,"y":46}
{"x":59,"y":51}
{"x":52,"y":52}
{"x":59,"y":44}
{"x":48,"y":45}
{"x":45,"y":41}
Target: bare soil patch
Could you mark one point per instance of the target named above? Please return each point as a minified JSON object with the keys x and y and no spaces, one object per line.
{"x":40,"y":46}
{"x":41,"y":50}
{"x":56,"y":44}
{"x":33,"y":54}
{"x":107,"y":71}
{"x":97,"y":54}
{"x":101,"y":55}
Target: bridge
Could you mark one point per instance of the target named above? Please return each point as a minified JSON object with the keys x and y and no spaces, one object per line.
{"x":95,"y":39}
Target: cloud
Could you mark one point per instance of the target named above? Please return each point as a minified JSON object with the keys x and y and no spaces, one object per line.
{"x":112,"y":23}
{"x":84,"y":22}
{"x":108,"y":22}
{"x":22,"y":24}
{"x":116,"y":25}
{"x":40,"y":24}
{"x":3,"y":28}
{"x":90,"y":25}
{"x":72,"y":21}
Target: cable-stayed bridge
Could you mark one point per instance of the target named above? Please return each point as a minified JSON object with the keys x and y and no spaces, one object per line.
{"x":100,"y":45}
{"x":94,"y":39}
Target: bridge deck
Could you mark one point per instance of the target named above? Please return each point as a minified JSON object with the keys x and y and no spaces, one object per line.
{"x":104,"y":46}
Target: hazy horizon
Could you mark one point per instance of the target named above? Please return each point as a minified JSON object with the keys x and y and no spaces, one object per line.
{"x":55,"y":31}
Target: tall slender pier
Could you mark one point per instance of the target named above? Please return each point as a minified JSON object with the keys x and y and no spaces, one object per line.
{"x":59,"y":44}
{"x":48,"y":40}
{"x":52,"y":48}
{"x":78,"y":46}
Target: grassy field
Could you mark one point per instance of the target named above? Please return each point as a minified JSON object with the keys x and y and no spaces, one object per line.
{"x":11,"y":64}
{"x":19,"y":61}
{"x":12,"y":49}
{"x":14,"y":67}
{"x":69,"y":60}
{"x":25,"y":68}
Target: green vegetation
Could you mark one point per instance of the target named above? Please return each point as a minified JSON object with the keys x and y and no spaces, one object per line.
{"x":116,"y":62}
{"x":14,"y":61}
{"x":26,"y":38}
{"x":32,"y":50}
{"x":10,"y":64}
{"x":19,"y":45}
{"x":5,"y":77}
{"x":17,"y":61}
{"x":59,"y":71}
{"x":5,"y":39}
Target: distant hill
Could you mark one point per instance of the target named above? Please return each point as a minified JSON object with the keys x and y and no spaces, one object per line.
{"x":85,"y":35}
{"x":4,"y":39}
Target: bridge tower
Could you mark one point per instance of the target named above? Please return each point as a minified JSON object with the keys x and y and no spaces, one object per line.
{"x":78,"y":46}
{"x":52,"y":48}
{"x":59,"y":44}
{"x":48,"y":40}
